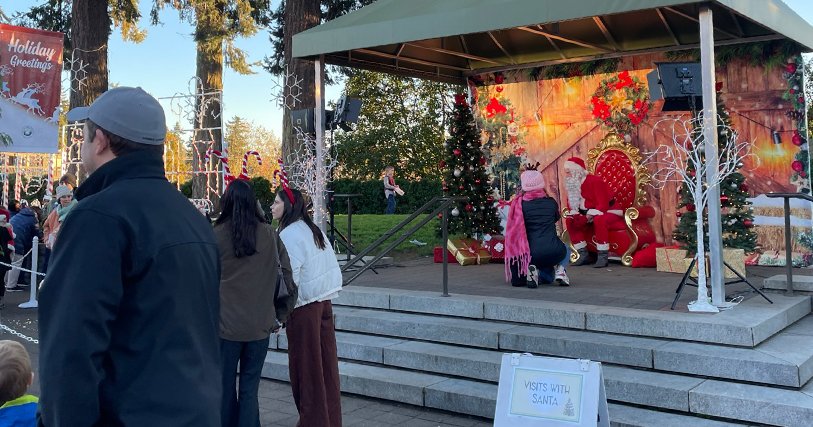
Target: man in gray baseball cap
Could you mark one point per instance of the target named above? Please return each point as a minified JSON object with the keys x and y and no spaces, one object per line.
{"x":129,"y":312}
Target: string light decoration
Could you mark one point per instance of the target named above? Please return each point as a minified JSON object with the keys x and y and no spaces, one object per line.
{"x":683,"y":161}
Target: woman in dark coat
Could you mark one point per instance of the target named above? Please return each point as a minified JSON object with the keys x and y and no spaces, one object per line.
{"x":532,"y":245}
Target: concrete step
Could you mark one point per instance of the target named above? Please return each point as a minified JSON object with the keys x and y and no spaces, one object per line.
{"x":780,"y":281}
{"x":784,"y":360}
{"x":746,"y":325}
{"x":461,"y":396}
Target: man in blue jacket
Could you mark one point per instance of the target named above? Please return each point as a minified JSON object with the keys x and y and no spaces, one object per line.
{"x":129,"y":312}
{"x":25,"y":225}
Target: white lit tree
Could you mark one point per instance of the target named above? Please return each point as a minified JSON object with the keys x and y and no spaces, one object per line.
{"x":684,"y":162}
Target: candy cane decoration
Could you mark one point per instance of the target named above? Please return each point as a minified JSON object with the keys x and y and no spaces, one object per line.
{"x":244,"y":172}
{"x":282,"y":177}
{"x":18,"y":182}
{"x":227,"y":176}
{"x":48,"y":194}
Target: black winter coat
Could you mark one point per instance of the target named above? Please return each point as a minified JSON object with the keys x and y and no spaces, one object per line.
{"x":128,"y":315}
{"x":540,"y":224}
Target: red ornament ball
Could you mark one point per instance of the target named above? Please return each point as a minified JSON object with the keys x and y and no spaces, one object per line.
{"x":803,"y":174}
{"x":791,"y":67}
{"x":791,"y":91}
{"x":678,"y":214}
{"x":692,"y":173}
{"x":723,"y":199}
{"x":469,"y":207}
{"x":743,"y":187}
{"x":477,"y":181}
{"x":796,"y":139}
{"x":801,"y":99}
{"x":442,"y":164}
{"x":690,"y":207}
{"x":461,"y":188}
{"x":748,"y":223}
{"x":457,"y":151}
{"x":499,"y":79}
{"x":498,"y":89}
{"x":797,"y":166}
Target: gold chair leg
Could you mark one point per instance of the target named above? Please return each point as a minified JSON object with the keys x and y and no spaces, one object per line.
{"x":565,"y":237}
{"x":630,"y":215}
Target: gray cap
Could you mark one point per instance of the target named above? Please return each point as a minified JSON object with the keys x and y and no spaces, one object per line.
{"x":128,"y":112}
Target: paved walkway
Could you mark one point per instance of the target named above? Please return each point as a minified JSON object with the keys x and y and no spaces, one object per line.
{"x":276,"y":402}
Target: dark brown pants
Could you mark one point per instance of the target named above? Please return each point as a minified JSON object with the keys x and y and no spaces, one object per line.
{"x":314,"y":366}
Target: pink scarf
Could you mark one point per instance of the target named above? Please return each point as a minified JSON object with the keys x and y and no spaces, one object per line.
{"x":517,"y":249}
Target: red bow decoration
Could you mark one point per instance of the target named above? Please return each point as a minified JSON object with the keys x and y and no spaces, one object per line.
{"x":282,"y":176}
{"x":227,"y":176}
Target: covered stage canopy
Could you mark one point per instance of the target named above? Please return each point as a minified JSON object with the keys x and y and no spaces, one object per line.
{"x":449,"y":40}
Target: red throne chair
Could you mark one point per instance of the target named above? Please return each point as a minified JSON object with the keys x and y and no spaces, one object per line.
{"x":619,"y":165}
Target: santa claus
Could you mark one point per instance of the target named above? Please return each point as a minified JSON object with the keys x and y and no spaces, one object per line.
{"x":589,"y":202}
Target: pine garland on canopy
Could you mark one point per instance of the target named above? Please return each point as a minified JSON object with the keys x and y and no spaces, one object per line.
{"x":737,"y":215}
{"x":465,"y":175}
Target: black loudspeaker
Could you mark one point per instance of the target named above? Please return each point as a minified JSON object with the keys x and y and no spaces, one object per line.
{"x":303,"y":120}
{"x":679,"y":84}
{"x":347,"y":112}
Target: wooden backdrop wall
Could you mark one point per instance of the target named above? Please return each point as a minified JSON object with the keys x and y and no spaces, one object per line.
{"x":556,"y":123}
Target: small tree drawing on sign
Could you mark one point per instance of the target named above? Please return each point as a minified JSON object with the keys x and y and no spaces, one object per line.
{"x":684,"y":162}
{"x":569,"y":409}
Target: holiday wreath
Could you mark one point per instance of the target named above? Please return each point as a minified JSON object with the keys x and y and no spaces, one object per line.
{"x":620,"y":103}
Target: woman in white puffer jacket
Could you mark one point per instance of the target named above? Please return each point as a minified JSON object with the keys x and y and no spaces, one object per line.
{"x":312,"y":361}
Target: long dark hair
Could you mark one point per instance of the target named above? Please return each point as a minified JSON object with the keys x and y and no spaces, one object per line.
{"x":240,"y":206}
{"x":297,"y":210}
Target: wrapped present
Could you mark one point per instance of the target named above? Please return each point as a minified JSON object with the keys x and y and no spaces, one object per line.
{"x":777,"y":259}
{"x":438,"y":255}
{"x":495,"y":245}
{"x":468,"y":251}
{"x":670,"y":259}
{"x":733,"y":257}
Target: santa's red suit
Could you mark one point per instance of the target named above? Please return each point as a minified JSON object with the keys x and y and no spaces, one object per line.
{"x":594,"y":208}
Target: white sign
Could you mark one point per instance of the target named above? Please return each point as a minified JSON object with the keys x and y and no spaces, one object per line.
{"x":550,"y":391}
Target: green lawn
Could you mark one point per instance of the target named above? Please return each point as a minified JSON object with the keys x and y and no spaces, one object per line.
{"x":368,"y":228}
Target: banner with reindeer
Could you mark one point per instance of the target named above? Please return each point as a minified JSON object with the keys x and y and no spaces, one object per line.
{"x":30,"y":71}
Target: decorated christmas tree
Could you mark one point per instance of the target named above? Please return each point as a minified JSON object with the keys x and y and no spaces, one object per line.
{"x":465,"y":175}
{"x":736,"y":214}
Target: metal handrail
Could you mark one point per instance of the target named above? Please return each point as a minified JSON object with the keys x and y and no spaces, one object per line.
{"x":788,"y":231}
{"x":445,"y":203}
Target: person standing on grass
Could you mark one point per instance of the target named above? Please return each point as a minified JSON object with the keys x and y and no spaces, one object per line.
{"x":250,"y":251}
{"x":313,"y":363}
{"x":390,"y":189}
{"x":129,"y":312}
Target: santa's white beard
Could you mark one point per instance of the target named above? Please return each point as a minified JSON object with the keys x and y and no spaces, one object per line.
{"x":573,"y":185}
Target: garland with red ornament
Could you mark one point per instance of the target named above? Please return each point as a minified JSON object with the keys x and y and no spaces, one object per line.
{"x":620,"y":103}
{"x":792,"y":72}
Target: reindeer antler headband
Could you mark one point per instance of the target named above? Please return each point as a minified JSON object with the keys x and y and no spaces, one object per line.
{"x":531,"y":166}
{"x":282,"y":176}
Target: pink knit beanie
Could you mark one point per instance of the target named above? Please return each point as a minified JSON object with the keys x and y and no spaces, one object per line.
{"x":532,"y":180}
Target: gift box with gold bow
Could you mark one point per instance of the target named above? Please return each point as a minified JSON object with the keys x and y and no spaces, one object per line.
{"x":468,"y":251}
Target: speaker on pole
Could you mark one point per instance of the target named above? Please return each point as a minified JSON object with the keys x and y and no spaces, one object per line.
{"x":678,"y":84}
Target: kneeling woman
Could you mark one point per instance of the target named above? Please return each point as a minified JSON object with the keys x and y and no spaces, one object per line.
{"x":531,"y":243}
{"x":313,"y":364}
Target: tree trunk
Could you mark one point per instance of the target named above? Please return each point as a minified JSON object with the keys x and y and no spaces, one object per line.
{"x":299,"y":16}
{"x":208,"y":123}
{"x":90,"y":30}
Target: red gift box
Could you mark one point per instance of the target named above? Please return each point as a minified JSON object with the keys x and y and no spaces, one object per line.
{"x":438,"y":253}
{"x":496,"y":247}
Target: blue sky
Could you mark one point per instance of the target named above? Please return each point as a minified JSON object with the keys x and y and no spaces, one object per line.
{"x":165,"y":61}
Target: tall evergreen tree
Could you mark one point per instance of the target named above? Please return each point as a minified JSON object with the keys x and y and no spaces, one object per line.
{"x":466,"y":176}
{"x":217,"y":24}
{"x":737,"y":215}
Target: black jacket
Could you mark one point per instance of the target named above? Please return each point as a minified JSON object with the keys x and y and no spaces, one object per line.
{"x":540,"y":224}
{"x":128,"y":315}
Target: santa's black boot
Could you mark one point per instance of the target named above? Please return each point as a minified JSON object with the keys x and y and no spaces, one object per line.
{"x":583,"y":255}
{"x":602,"y":259}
